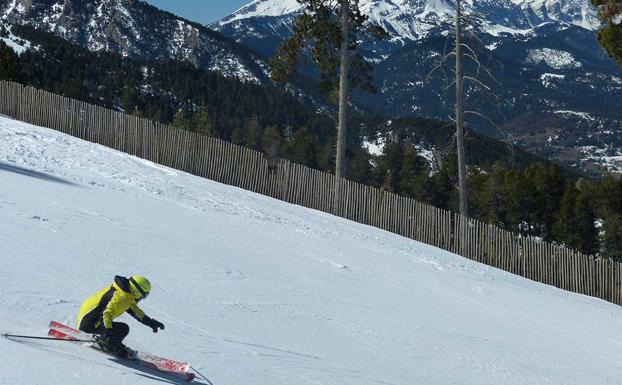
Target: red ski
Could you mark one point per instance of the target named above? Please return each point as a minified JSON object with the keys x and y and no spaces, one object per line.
{"x":165,"y":365}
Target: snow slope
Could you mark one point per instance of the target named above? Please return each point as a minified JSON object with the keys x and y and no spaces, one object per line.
{"x":256,"y":291}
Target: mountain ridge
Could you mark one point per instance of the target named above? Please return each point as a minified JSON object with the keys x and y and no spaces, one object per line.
{"x":410,"y":20}
{"x":543,"y":53}
{"x":135,"y":28}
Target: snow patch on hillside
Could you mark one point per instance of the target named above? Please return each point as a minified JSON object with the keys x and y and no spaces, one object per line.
{"x":498,"y":30}
{"x":52,"y":18}
{"x":180,"y":35}
{"x":583,"y":115}
{"x":17,"y":44}
{"x":556,"y":59}
{"x":550,"y":80}
{"x":375,"y":147}
{"x":229,"y":66}
{"x":9,"y":9}
{"x":609,"y":158}
{"x":427,"y":153}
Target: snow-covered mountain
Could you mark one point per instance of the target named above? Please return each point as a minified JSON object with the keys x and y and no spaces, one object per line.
{"x":257,"y":291}
{"x":134,"y":28}
{"x":544,"y":55}
{"x":410,"y":20}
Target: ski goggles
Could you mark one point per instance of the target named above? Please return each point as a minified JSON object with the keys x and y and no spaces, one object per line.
{"x":143,"y":294}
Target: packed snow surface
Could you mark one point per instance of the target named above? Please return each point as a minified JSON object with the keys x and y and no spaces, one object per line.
{"x":256,"y":291}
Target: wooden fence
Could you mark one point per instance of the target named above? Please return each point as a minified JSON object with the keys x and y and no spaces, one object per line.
{"x":248,"y":169}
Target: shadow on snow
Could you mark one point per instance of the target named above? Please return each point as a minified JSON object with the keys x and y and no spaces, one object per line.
{"x":33,"y":174}
{"x":153,"y":374}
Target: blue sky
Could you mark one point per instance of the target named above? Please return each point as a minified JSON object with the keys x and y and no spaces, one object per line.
{"x":202,"y":11}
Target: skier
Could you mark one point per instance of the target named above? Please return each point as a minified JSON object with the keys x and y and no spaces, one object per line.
{"x":99,"y":310}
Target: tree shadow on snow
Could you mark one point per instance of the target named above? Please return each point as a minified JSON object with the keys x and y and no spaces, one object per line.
{"x":153,"y":374}
{"x":33,"y":174}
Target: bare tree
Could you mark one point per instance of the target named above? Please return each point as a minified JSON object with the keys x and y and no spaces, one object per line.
{"x":343,"y":105}
{"x":459,"y":113}
{"x":465,"y":25}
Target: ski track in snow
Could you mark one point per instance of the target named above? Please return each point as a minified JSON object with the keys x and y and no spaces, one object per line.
{"x":253,"y":290}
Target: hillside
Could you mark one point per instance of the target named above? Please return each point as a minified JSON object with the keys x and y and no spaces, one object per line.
{"x":136,"y":29}
{"x":543,"y":55}
{"x":255,"y":290}
{"x":154,"y":89}
{"x":172,"y":91}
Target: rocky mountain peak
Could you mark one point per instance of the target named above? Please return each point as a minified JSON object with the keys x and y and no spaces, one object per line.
{"x":414,"y":19}
{"x":137,"y":29}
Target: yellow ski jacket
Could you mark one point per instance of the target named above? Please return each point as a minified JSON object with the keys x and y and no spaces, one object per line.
{"x":109,"y":303}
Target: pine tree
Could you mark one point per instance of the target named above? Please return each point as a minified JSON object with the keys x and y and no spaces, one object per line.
{"x":253,"y":133}
{"x":480,"y":195}
{"x":442,"y":190}
{"x":610,"y":35}
{"x":271,"y":145}
{"x":518,"y":202}
{"x":329,"y":32}
{"x":414,"y":174}
{"x":302,"y":148}
{"x":326,"y":156}
{"x":584,"y":218}
{"x":389,"y":166}
{"x":8,"y":62}
{"x":182,"y":119}
{"x":612,"y":238}
{"x":564,"y":225}
{"x":130,"y":100}
{"x":549,"y":187}
{"x":201,"y":122}
{"x":575,"y":225}
{"x":609,"y":202}
{"x":359,"y":167}
{"x":237,"y":136}
{"x":137,"y":112}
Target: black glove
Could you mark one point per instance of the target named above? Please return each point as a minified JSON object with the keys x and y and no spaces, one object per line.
{"x":154,"y":324}
{"x":157,"y":325}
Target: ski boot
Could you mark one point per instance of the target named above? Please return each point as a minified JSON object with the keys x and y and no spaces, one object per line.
{"x":128,"y":354}
{"x":119,"y":350}
{"x":101,"y":343}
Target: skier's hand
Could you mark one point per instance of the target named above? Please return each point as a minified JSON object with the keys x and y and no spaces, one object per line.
{"x":155,"y":325}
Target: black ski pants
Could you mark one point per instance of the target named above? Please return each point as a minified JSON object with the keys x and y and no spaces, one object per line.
{"x":116,"y":336}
